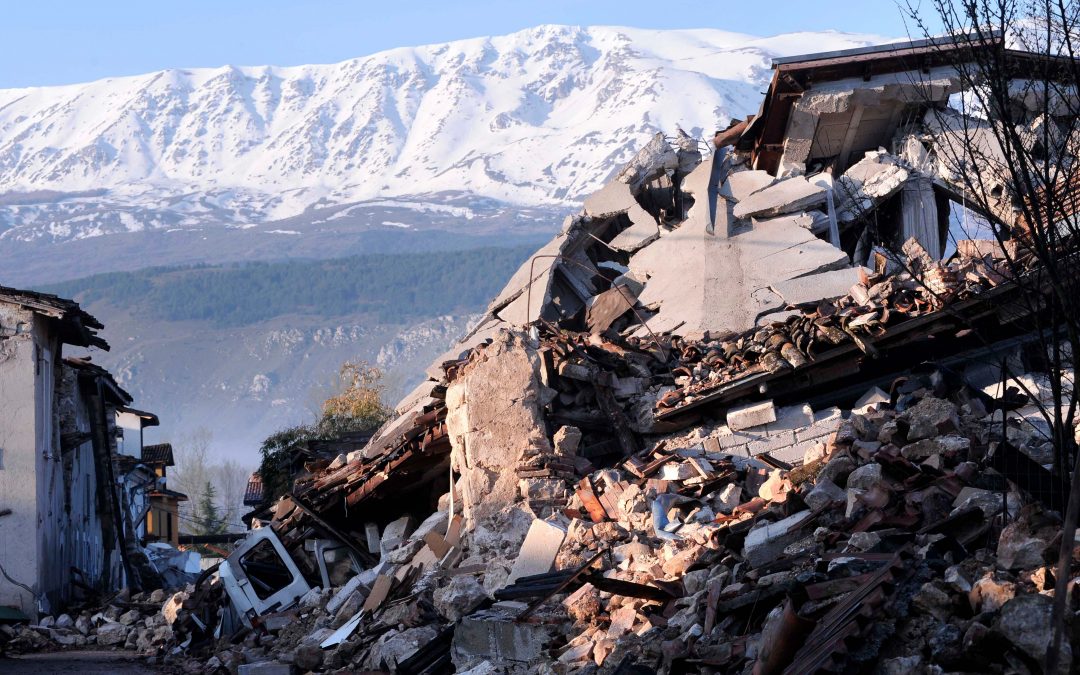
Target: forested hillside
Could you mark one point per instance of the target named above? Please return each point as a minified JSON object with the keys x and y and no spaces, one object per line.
{"x":389,"y":288}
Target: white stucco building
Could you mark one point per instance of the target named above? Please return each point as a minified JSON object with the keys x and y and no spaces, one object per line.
{"x":62,"y":529}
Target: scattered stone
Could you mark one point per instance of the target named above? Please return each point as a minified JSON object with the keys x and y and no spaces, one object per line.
{"x":1025,"y":622}
{"x":459,"y":597}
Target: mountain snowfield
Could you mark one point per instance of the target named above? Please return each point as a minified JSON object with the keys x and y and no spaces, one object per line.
{"x":538,"y":118}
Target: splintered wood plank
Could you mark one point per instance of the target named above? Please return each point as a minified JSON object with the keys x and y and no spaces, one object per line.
{"x":379,"y":590}
{"x":588,"y":499}
{"x":437,"y":544}
{"x":453,"y":533}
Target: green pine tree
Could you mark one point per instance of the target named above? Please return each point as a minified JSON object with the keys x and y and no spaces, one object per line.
{"x":208,"y":519}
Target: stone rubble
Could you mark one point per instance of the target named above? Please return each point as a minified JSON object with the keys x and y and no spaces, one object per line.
{"x":693,"y":438}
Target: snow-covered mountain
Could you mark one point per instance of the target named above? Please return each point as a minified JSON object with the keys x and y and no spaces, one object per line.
{"x":538,"y":118}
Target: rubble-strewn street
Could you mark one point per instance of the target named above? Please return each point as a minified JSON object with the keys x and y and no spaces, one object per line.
{"x":689,"y":436}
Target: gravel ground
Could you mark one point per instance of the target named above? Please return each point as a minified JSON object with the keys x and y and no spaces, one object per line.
{"x":85,"y":662}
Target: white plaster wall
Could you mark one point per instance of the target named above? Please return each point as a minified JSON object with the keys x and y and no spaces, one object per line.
{"x":131,"y":443}
{"x":20,"y":458}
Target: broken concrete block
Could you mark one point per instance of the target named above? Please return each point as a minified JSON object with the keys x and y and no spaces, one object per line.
{"x":989,"y":593}
{"x":395,"y":534}
{"x":751,"y":415}
{"x":868,"y":182}
{"x":787,"y":196}
{"x":537,"y":554}
{"x":678,"y":564}
{"x":989,"y":502}
{"x":494,"y":634}
{"x":774,"y":487}
{"x":875,"y":398}
{"x":677,"y":471}
{"x":825,"y":424}
{"x":617,"y":198}
{"x":865,"y":477}
{"x":729,"y":498}
{"x":566,"y":441}
{"x":931,"y":417}
{"x":779,"y":441}
{"x":1020,"y":549}
{"x":825,"y":492}
{"x":654,"y":159}
{"x":395,"y":646}
{"x":830,"y":284}
{"x":790,"y":418}
{"x":111,"y":633}
{"x":372,"y":537}
{"x":741,"y":184}
{"x":343,"y":594}
{"x":583,"y":604}
{"x":928,"y":447}
{"x":765,"y":543}
{"x":459,"y":597}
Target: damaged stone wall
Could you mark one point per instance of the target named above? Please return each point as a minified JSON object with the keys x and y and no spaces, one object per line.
{"x":495,"y":423}
{"x":20,"y":456}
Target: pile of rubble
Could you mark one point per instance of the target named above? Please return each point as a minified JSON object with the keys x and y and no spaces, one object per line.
{"x":899,"y":536}
{"x":690,"y":436}
{"x":134,"y":622}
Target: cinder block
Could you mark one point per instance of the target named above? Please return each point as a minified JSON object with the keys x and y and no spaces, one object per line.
{"x":751,"y":415}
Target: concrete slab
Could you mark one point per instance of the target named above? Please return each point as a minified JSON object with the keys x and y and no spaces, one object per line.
{"x":615,"y":199}
{"x":482,"y":334}
{"x":703,"y":184}
{"x":829,"y":284}
{"x":787,"y":196}
{"x":767,"y":542}
{"x":603,"y":309}
{"x":526,"y":307}
{"x":610,"y":200}
{"x":779,"y":249}
{"x":520,"y":279}
{"x":538,"y":551}
{"x":868,"y":182}
{"x":741,"y":184}
{"x":421,"y":393}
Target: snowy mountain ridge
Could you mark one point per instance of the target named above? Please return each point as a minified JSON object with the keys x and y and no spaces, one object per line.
{"x":537,"y":118}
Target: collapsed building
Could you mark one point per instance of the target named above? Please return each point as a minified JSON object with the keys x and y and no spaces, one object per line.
{"x":74,"y":493}
{"x":740,"y":415}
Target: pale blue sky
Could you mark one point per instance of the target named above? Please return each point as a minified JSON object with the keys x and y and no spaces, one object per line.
{"x":45,"y":42}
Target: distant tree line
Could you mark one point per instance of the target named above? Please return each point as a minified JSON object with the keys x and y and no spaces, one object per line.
{"x":388,"y":287}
